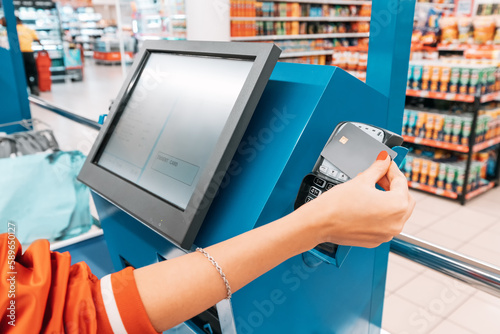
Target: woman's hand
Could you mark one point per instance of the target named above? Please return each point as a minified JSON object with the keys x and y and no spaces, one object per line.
{"x":356,"y":213}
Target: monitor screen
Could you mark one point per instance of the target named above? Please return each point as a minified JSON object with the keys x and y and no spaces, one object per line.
{"x":172,"y":121}
{"x":173,"y":130}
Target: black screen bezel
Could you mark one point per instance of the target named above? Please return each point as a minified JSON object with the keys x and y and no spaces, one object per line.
{"x":178,"y":225}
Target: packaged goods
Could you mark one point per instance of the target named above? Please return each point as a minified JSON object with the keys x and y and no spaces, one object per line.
{"x":412,"y":121}
{"x":464,"y":80}
{"x":410,"y":76}
{"x":408,"y":167}
{"x":464,"y":29}
{"x":474,"y":80}
{"x":448,"y":127}
{"x":454,"y":79}
{"x":416,"y":164}
{"x":417,"y":76}
{"x":429,"y":125}
{"x":456,"y":130}
{"x":451,"y":128}
{"x":466,"y":129}
{"x":450,"y":177}
{"x":405,"y":121}
{"x":449,"y":29}
{"x":426,"y":77}
{"x":484,"y":29}
{"x":424,"y":170}
{"x":460,"y":177}
{"x":454,"y":76}
{"x":496,"y":38}
{"x":441,"y":175}
{"x":442,"y":171}
{"x":435,"y":77}
{"x":445,"y":78}
{"x":438,"y":127}
{"x":433,"y":173}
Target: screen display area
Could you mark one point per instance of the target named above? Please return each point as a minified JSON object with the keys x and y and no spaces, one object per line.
{"x":172,"y":121}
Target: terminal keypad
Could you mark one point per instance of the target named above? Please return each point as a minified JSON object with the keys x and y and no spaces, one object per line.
{"x":317,"y":186}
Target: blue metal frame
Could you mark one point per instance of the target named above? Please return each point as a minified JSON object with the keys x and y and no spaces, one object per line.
{"x":391,"y":26}
{"x":13,"y":87}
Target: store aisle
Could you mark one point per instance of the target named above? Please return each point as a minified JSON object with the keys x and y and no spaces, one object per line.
{"x":421,"y":300}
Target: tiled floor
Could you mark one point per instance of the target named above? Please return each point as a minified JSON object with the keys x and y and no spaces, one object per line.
{"x":418,"y":300}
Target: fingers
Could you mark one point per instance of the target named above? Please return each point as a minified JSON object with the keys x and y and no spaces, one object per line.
{"x":378,"y":169}
{"x":411,"y":206}
{"x":384,"y":183}
{"x":397,"y":180}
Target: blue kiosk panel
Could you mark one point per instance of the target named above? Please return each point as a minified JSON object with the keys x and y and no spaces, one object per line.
{"x":296,"y":115}
{"x":13,"y":91}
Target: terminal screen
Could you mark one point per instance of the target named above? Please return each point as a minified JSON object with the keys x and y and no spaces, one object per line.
{"x":172,"y":122}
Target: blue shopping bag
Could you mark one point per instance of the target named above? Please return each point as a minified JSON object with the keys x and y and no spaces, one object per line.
{"x":41,"y":196}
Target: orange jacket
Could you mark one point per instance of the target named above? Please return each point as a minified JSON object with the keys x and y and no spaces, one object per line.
{"x":41,"y":292}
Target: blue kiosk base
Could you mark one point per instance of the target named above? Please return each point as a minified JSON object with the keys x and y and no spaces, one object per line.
{"x":296,"y":115}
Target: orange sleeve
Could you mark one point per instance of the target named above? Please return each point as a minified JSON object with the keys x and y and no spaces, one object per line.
{"x":41,"y":292}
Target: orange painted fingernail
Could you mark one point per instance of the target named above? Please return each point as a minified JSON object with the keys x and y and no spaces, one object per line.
{"x":382,"y":155}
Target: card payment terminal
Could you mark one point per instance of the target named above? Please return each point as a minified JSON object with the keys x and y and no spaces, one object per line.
{"x":326,"y":174}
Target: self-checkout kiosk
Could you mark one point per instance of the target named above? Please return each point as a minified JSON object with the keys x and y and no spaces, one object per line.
{"x":210,"y":140}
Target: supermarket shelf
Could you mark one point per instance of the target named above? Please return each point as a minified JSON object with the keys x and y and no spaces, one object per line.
{"x":480,"y":190}
{"x":450,"y":146}
{"x":486,"y":144}
{"x":305,"y":19}
{"x":464,"y":47}
{"x":436,"y":143}
{"x":452,"y":96}
{"x":433,"y":190}
{"x":304,"y":36}
{"x":306,"y":53}
{"x":331,"y":2}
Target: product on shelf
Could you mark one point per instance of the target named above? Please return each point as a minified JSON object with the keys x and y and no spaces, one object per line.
{"x":454,"y":76}
{"x":421,"y":52}
{"x":266,"y":28}
{"x":251,"y":8}
{"x":439,"y":25}
{"x":444,"y":174}
{"x":352,"y":59}
{"x":449,"y":128}
{"x":247,"y":18}
{"x":314,"y":60}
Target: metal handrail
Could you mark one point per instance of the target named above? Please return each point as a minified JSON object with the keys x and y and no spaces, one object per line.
{"x":474,"y":272}
{"x":72,"y":116}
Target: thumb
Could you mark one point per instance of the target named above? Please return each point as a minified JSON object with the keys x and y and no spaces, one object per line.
{"x":378,"y":169}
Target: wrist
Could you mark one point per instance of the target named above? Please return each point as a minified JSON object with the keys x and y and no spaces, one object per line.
{"x":312,"y":226}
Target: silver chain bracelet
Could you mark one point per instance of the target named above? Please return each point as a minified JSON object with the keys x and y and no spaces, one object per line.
{"x":219,"y":269}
